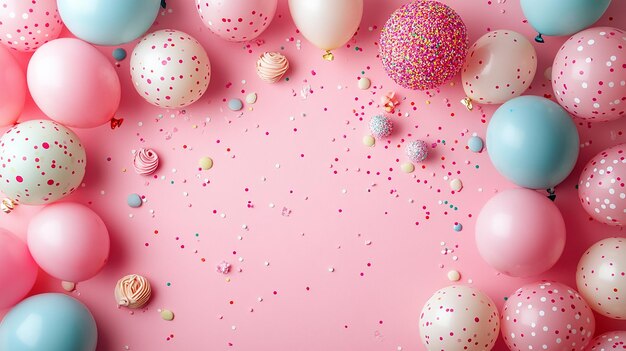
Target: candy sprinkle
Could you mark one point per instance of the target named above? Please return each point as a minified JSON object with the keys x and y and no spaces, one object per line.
{"x":167,"y":315}
{"x":380,"y":126}
{"x":417,"y":151}
{"x":423,"y":45}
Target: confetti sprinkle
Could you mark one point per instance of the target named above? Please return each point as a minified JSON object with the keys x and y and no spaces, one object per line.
{"x":364,"y":83}
{"x":205,"y":163}
{"x":475,"y":143}
{"x":68,"y":286}
{"x":407,"y":167}
{"x":223,"y":267}
{"x":369,"y":140}
{"x":119,"y":54}
{"x":167,"y":315}
{"x":456,"y":184}
{"x":134,"y":200}
{"x":235,"y":104}
{"x":454,"y":276}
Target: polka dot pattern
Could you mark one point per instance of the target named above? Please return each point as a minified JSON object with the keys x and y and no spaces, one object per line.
{"x":610,"y":341}
{"x":237,"y":20}
{"x":41,"y":161}
{"x":170,"y":69}
{"x":601,"y":277}
{"x":500,"y":65}
{"x":589,"y":74}
{"x":26,"y":25}
{"x":459,"y":318}
{"x":547,"y":316}
{"x":602,"y":186}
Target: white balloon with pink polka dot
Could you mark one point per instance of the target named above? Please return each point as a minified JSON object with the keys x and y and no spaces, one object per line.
{"x":170,"y":69}
{"x":601,"y":277}
{"x":547,"y":316}
{"x":27,"y":25}
{"x":41,"y":161}
{"x":459,"y":318}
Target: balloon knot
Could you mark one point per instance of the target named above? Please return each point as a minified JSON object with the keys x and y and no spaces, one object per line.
{"x":328,"y":56}
{"x":7,"y":205}
{"x":467,"y":102}
{"x":539,"y":38}
{"x":551,"y":194}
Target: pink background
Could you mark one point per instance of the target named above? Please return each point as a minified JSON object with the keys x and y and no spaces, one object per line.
{"x":373,"y":298}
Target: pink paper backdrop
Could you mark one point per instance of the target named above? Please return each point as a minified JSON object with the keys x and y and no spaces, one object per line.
{"x":321,"y":199}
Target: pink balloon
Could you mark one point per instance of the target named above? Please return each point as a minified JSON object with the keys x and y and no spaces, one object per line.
{"x":609,"y":341}
{"x":69,"y":241}
{"x":18,"y":271}
{"x":520,"y":232}
{"x":26,"y":25}
{"x":11,"y":100}
{"x":237,"y":20}
{"x":500,"y":65}
{"x":73,"y":83}
{"x":602,"y":186}
{"x":547,"y":316}
{"x":589,"y":74}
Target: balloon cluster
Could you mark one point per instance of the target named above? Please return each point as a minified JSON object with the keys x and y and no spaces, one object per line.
{"x":533,"y":142}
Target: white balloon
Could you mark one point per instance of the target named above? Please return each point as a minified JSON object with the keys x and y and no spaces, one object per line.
{"x":328,"y":24}
{"x":459,"y":318}
{"x":170,"y":69}
{"x":41,"y":161}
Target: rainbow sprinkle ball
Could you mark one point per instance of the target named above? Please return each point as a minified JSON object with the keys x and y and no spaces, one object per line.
{"x":417,"y":151}
{"x":381,"y":126}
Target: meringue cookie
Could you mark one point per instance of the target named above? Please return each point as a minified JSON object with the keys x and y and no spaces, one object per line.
{"x":132,"y":291}
{"x":272,"y":66}
{"x":146,"y":161}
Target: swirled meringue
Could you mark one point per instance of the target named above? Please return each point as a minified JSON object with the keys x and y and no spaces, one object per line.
{"x":272,"y":66}
{"x":132,"y":291}
{"x":146,"y":161}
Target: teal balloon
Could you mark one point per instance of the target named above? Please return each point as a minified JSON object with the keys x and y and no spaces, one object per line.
{"x":108,"y":22}
{"x":532,"y":142}
{"x":563,"y":17}
{"x":49,"y":322}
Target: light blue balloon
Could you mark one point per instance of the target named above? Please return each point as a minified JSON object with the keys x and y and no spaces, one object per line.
{"x":532,"y":142}
{"x":48,"y":322}
{"x":108,"y":22}
{"x":562,"y":17}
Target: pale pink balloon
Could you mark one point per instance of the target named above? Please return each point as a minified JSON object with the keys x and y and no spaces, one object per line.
{"x":73,"y":83}
{"x":601,"y":277}
{"x":26,"y":25}
{"x":69,"y":241}
{"x":237,"y":20}
{"x":589,"y":74}
{"x":11,"y":100}
{"x":18,"y":270}
{"x":609,"y":341}
{"x":547,"y":316}
{"x":602,"y":186}
{"x":500,"y":65}
{"x":459,"y":318}
{"x":520,"y":232}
